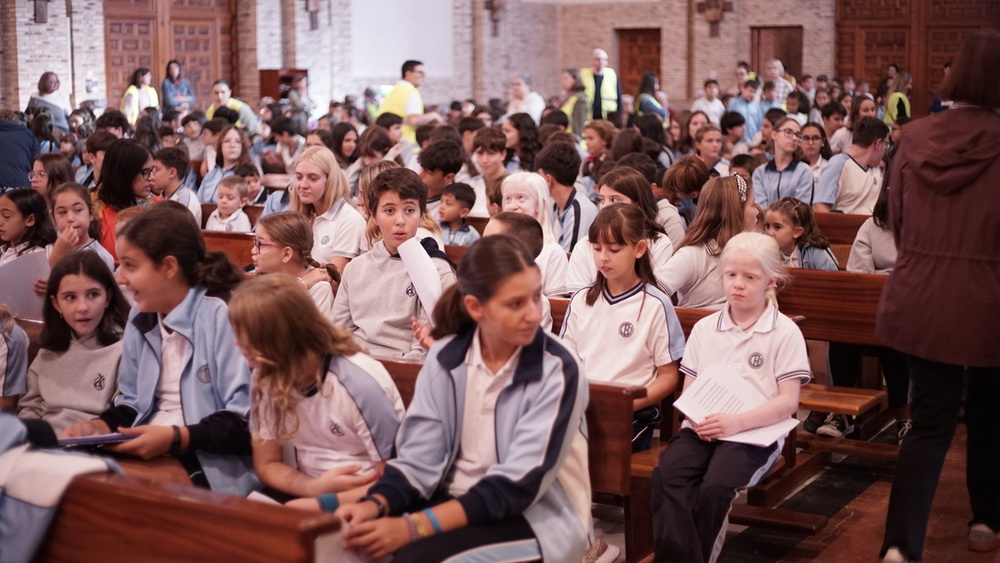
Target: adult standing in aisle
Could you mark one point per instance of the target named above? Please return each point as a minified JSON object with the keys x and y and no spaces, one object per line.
{"x":600,"y":83}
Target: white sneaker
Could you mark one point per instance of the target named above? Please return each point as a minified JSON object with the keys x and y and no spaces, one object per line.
{"x":982,"y":538}
{"x":837,"y":426}
{"x":603,"y":552}
{"x":895,"y":556}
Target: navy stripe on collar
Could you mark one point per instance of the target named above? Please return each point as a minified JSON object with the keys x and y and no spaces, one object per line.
{"x":613,"y":299}
{"x":529,"y":365}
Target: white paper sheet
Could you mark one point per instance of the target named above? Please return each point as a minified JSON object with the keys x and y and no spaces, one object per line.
{"x":716,"y":392}
{"x":17,"y":284}
{"x":423,"y":274}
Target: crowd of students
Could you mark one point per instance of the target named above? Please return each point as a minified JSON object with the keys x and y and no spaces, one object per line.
{"x":704,"y":209}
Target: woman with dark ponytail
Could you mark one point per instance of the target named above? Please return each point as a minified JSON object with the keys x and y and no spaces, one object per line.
{"x":490,"y":454}
{"x":184,"y":386}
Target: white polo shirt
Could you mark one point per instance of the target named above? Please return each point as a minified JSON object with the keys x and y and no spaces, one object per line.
{"x":766,"y":354}
{"x":623,"y":339}
{"x":583,"y":270}
{"x":848,"y":186}
{"x":338,"y":232}
{"x":693,"y":273}
{"x":554,"y":265}
{"x":238,"y":222}
{"x":333,"y":430}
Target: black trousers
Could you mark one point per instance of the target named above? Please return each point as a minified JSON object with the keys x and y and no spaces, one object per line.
{"x":693,"y":489}
{"x":937,"y":397}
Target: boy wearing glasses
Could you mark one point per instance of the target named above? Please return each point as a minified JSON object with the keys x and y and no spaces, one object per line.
{"x":851,"y":181}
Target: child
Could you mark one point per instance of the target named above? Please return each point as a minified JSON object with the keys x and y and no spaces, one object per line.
{"x":314,"y":389}
{"x":229,"y":214}
{"x":75,"y":375}
{"x":210,"y":132}
{"x":733,"y":127}
{"x":439,"y":163}
{"x":791,"y":223}
{"x":170,"y":168}
{"x":490,"y":453}
{"x":48,"y":171}
{"x":256,"y":194}
{"x":682,"y":184}
{"x":488,"y":151}
{"x":94,"y":149}
{"x":597,"y":136}
{"x":701,"y":472}
{"x":429,"y":226}
{"x":73,"y":213}
{"x":69,"y":146}
{"x":376,"y":299}
{"x":613,"y":314}
{"x":283,"y":244}
{"x":559,"y":164}
{"x":13,"y":360}
{"x":184,"y":387}
{"x":232,"y":148}
{"x":526,"y":192}
{"x":708,"y":147}
{"x":125,"y":182}
{"x":725,"y":209}
{"x":785,"y":174}
{"x":457,"y":200}
{"x":24,"y":224}
{"x":745,"y":105}
{"x":710,"y":104}
{"x":522,"y":144}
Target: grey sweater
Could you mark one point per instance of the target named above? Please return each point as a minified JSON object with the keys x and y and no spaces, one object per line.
{"x":376,"y":301}
{"x":68,"y":387}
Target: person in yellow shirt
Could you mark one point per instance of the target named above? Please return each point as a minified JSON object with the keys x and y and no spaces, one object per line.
{"x":139,"y":95}
{"x":405,"y":101}
{"x":222,"y":96}
{"x":601,"y":85}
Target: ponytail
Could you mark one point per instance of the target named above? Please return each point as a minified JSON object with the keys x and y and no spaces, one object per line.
{"x":218,"y":273}
{"x":450,"y":316}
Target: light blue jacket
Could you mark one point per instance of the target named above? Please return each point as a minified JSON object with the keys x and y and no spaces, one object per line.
{"x":215,"y":377}
{"x":537,"y":415}
{"x":812,"y":258}
{"x":15,"y":381}
{"x":209,"y":190}
{"x":770,"y":184}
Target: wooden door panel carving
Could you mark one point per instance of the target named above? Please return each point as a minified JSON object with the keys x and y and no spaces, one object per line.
{"x":638,"y":53}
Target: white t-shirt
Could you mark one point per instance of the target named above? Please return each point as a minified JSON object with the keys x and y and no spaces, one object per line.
{"x":338,"y":232}
{"x":238,"y":222}
{"x":713,"y":109}
{"x":10,"y":253}
{"x":351,"y":419}
{"x":174,"y":350}
{"x":670,"y":219}
{"x":322,"y":296}
{"x":583,"y":270}
{"x":695,"y":276}
{"x":554,"y":266}
{"x":622,"y":339}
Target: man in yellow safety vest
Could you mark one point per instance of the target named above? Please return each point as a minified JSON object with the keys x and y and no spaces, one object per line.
{"x":601,"y":79}
{"x":405,"y":101}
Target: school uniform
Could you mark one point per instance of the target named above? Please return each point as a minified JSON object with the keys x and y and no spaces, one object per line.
{"x":575,"y":219}
{"x":209,"y":190}
{"x":669,"y":217}
{"x":13,"y":362}
{"x":462,"y":236}
{"x":623,"y":338}
{"x":186,"y":197}
{"x":10,"y":253}
{"x":523,"y":485}
{"x":771,"y":184}
{"x":693,"y":274}
{"x":72,"y":386}
{"x":808,"y":257}
{"x":553,"y":264}
{"x":582,"y":270}
{"x":848,"y":187}
{"x":213,"y":388}
{"x":434,"y":206}
{"x":873,"y":251}
{"x":94,"y":246}
{"x":376,"y":300}
{"x":768,"y":353}
{"x":338,"y":232}
{"x":322,"y":295}
{"x":481,"y":207}
{"x":237,"y":222}
{"x":351,"y":418}
{"x":277,"y":202}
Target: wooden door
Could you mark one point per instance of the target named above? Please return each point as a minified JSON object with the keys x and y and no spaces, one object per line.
{"x":638,"y":53}
{"x":781,"y":43}
{"x":148,"y":33}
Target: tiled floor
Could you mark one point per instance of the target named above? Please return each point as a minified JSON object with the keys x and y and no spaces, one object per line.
{"x":854,"y":493}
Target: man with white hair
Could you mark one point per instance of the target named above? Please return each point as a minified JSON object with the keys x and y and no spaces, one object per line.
{"x":774,"y":71}
{"x":601,"y":85}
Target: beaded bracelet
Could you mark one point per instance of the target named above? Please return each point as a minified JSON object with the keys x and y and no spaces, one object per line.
{"x":433,"y":520}
{"x":412,"y":526}
{"x":422,"y":530}
{"x":378,"y":504}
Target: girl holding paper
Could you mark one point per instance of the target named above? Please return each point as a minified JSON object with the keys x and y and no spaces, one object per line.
{"x":747,"y":340}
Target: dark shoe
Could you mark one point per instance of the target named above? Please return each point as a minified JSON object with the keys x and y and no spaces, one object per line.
{"x":838,"y":426}
{"x":815,"y":420}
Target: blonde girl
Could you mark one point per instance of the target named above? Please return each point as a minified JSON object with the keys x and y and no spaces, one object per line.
{"x":314,"y":389}
{"x":283,"y":244}
{"x":527,"y":193}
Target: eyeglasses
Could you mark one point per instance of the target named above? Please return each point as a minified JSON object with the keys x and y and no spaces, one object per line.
{"x":791,"y":133}
{"x":148,"y":172}
{"x":812,"y":138}
{"x":257,"y":245}
{"x":41,"y":174}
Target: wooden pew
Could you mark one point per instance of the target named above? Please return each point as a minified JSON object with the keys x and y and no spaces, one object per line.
{"x":479,"y":223}
{"x":237,"y":246}
{"x":455,"y":252}
{"x":108,"y":517}
{"x":32,"y":328}
{"x":840,"y":228}
{"x":837,"y":306}
{"x":842,"y":252}
{"x":253,"y":213}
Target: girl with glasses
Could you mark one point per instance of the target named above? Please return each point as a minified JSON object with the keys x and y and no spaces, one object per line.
{"x":786,"y":174}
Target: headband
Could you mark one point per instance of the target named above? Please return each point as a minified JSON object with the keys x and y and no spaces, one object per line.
{"x":741,"y":185}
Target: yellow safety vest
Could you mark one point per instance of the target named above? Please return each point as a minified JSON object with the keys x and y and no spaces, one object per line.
{"x":133,"y":114}
{"x":609,"y":89}
{"x":395,"y":102}
{"x":232,"y":104}
{"x":891,"y":107}
{"x":644,"y":97}
{"x":569,"y":108}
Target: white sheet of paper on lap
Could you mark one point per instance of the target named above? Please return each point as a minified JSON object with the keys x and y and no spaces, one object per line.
{"x":17,"y":284}
{"x":423,"y":274}
{"x":716,"y":391}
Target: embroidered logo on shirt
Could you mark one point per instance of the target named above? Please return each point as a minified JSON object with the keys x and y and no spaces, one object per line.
{"x":410,"y":291}
{"x":325,"y":239}
{"x":229,"y":227}
{"x":626,"y":329}
{"x":756,"y":360}
{"x":99,"y":382}
{"x":204,"y":375}
{"x":336,"y":430}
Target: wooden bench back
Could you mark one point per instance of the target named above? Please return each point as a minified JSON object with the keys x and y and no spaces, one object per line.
{"x":33,"y":328}
{"x":479,"y":223}
{"x":837,"y":306}
{"x":840,"y":228}
{"x":842,"y":252}
{"x":237,"y":246}
{"x":455,"y":252}
{"x":172,"y":522}
{"x":253,"y":213}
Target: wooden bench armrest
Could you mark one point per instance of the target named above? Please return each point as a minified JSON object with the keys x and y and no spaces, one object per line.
{"x":840,"y":400}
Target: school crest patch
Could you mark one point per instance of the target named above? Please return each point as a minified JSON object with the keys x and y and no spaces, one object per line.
{"x":626,"y":329}
{"x":204,"y":375}
{"x":99,"y":382}
{"x":756,"y":360}
{"x":336,"y":430}
{"x":410,"y":291}
{"x":325,"y":239}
